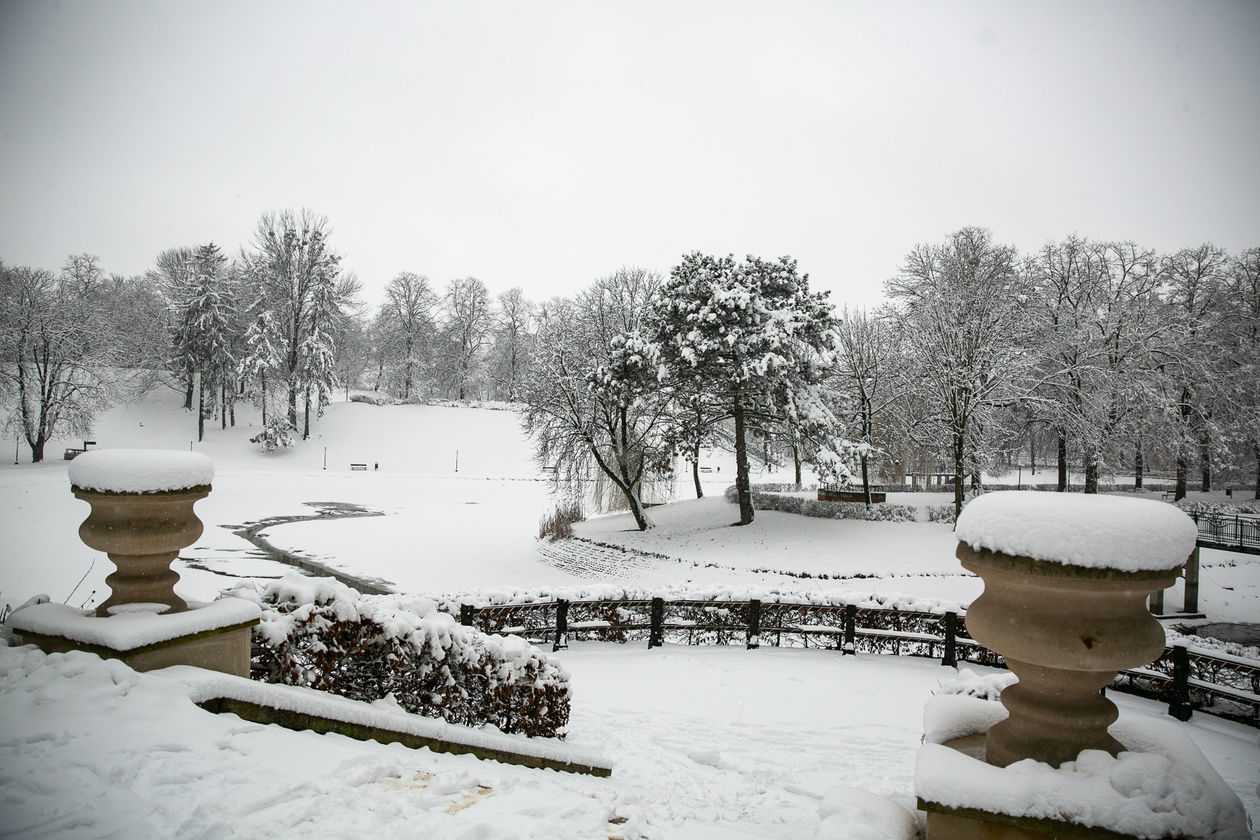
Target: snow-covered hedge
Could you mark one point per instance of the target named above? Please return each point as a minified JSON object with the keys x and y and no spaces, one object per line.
{"x":941,"y":513}
{"x":1234,"y":508}
{"x":717,"y":593}
{"x":772,"y":499}
{"x":372,"y":399}
{"x":320,"y":633}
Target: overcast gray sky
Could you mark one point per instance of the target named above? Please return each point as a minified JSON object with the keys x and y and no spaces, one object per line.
{"x":545,"y":144}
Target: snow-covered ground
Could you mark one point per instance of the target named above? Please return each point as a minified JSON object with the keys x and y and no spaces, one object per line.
{"x":706,"y":743}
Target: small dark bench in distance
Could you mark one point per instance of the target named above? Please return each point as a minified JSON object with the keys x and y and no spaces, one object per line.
{"x":358,"y":466}
{"x":71,"y":453}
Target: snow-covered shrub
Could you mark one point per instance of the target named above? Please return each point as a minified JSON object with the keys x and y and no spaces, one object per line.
{"x":320,"y":633}
{"x":372,"y":399}
{"x":941,"y":513}
{"x":277,"y":434}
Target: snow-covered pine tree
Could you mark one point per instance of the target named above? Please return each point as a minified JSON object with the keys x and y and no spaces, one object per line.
{"x":210,"y":314}
{"x":263,"y":357}
{"x":200,"y":299}
{"x":751,"y":335}
{"x":318,"y":350}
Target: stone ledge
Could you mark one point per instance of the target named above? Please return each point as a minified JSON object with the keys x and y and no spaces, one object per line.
{"x":300,"y":721}
{"x":946,"y":823}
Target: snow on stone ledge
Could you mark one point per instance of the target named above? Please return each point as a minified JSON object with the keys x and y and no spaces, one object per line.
{"x":203,"y":685}
{"x":128,"y":631}
{"x":1077,"y":529}
{"x":140,"y":470}
{"x":1162,"y":788}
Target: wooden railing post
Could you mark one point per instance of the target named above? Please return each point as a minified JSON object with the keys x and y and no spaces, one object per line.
{"x":1157,"y":602}
{"x":1191,"y":603}
{"x":656,"y":635}
{"x":754,"y":624}
{"x":466,"y":614}
{"x":561,"y":639}
{"x":949,"y":658}
{"x":850,"y":628}
{"x":1179,"y":704}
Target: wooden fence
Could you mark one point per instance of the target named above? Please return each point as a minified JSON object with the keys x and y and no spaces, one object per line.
{"x":1187,"y":679}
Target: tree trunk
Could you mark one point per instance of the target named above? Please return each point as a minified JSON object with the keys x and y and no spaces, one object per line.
{"x":1183,"y":471}
{"x":1257,"y":489}
{"x":263,"y":378}
{"x":695,"y":470}
{"x":223,"y":405}
{"x":37,"y":451}
{"x":866,"y":482}
{"x":1032,"y":451}
{"x":1091,"y":470}
{"x":1063,"y":464}
{"x":306,"y":415}
{"x":959,"y":452}
{"x":1205,"y":464}
{"x":201,"y":409}
{"x":1139,"y":466}
{"x":743,"y":487}
{"x":189,"y":383}
{"x":796,"y":463}
{"x":293,"y":405}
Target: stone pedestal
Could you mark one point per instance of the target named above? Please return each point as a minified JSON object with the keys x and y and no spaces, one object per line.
{"x":142,"y":533}
{"x":142,"y":515}
{"x":1065,"y":631}
{"x":1066,"y":578}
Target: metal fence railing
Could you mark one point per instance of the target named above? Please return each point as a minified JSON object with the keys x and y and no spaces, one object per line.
{"x":1230,"y":532}
{"x":1187,"y":679}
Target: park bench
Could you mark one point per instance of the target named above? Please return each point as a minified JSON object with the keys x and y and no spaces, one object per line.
{"x":71,"y":453}
{"x":358,"y":467}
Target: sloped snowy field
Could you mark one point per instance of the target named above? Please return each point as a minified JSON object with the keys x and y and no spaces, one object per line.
{"x":706,"y":743}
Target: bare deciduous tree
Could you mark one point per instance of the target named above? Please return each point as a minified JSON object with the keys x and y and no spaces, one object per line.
{"x":466,"y":329}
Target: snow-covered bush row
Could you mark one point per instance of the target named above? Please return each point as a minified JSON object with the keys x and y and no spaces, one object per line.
{"x":378,"y":398}
{"x":320,"y":633}
{"x":941,"y":513}
{"x":373,"y":399}
{"x":1220,"y":508}
{"x":717,"y":593}
{"x":774,"y":500}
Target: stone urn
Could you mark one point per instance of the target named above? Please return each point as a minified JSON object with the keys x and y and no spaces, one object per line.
{"x":1066,"y":578}
{"x":142,"y":515}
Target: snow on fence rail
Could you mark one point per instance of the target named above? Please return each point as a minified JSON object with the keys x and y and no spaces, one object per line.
{"x":1186,"y":678}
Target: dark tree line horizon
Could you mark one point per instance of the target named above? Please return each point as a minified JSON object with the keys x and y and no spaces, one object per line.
{"x":1089,"y":355}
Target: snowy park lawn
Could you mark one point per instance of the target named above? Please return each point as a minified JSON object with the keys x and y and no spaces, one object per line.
{"x":705,"y":742}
